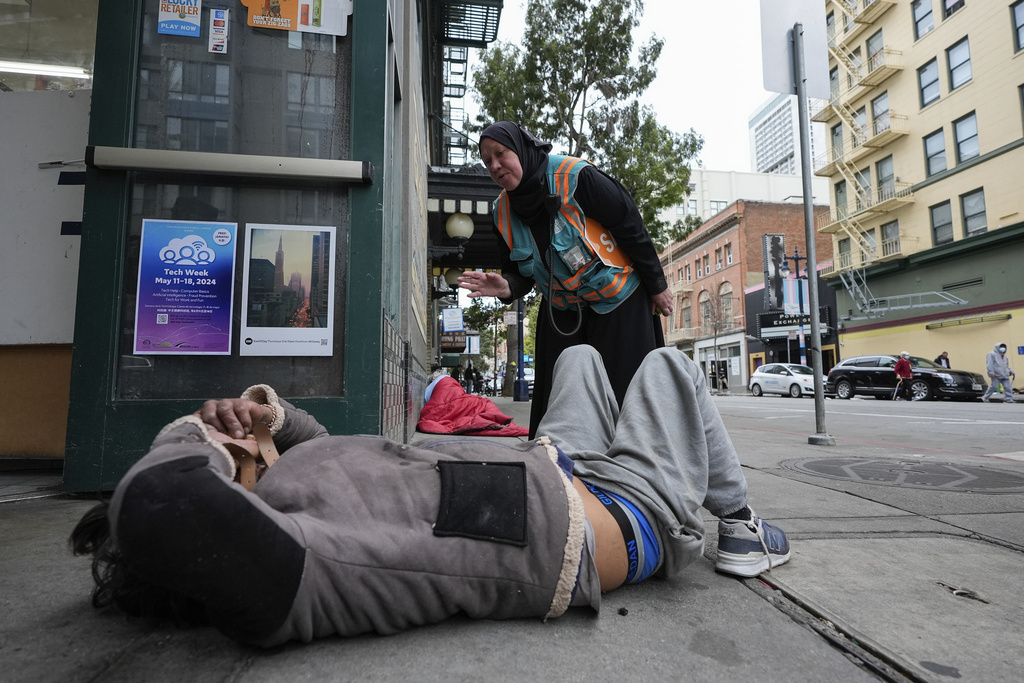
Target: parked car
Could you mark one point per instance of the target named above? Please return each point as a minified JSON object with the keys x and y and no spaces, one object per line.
{"x":790,"y":379}
{"x":874,"y":375}
{"x":528,"y":374}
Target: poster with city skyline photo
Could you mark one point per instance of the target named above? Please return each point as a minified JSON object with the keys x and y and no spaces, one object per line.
{"x":288,"y":290}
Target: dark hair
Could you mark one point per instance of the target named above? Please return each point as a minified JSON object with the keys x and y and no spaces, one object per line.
{"x":117,"y":586}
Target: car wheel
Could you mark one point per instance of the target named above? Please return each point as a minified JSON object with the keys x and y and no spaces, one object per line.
{"x":755,"y":389}
{"x":844,"y":389}
{"x":920,"y":390}
{"x":794,"y":390}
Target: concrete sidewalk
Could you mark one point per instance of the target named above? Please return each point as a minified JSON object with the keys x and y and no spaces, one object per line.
{"x":884,"y":584}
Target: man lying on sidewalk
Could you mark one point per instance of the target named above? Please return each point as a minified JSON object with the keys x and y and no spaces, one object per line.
{"x":354,"y":534}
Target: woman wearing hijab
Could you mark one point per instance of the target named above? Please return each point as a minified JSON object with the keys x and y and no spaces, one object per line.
{"x":576,"y":234}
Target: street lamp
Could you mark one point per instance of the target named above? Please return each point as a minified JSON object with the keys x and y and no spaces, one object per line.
{"x":784,"y":271}
{"x":459,"y":228}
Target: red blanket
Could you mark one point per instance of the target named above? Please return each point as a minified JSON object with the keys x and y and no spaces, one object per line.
{"x":451,"y":410}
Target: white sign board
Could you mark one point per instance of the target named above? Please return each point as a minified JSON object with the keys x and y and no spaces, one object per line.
{"x":777,"y":20}
{"x":40,"y":225}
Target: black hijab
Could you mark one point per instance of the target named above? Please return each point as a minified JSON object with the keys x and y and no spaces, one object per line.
{"x":527,"y":200}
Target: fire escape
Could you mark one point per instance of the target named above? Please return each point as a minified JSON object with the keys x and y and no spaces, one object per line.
{"x":465,"y":24}
{"x":862,"y":137}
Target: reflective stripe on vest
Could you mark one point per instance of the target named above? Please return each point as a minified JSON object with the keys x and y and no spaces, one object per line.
{"x":603,"y":281}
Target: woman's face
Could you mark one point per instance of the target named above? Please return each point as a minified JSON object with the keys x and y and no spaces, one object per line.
{"x":502,"y":164}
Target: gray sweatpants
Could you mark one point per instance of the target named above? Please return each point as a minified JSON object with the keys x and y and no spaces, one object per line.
{"x":666,"y":450}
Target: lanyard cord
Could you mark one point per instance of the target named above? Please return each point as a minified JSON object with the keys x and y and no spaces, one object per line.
{"x":553,"y":203}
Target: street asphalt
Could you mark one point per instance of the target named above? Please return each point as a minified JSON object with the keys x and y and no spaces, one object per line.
{"x":907,"y":564}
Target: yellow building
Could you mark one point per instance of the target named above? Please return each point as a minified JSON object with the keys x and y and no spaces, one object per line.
{"x":925,"y":130}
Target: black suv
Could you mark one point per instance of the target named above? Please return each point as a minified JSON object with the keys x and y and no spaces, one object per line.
{"x":874,"y":375}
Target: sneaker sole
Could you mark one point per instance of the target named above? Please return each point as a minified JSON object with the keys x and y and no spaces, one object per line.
{"x":748,"y":566}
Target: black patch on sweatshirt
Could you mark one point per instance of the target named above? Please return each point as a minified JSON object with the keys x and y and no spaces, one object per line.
{"x":483,"y":500}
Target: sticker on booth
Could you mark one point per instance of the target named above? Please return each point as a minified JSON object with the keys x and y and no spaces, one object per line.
{"x":288,"y":291}
{"x":180,"y":17}
{"x":186,"y":287}
{"x":306,"y":16}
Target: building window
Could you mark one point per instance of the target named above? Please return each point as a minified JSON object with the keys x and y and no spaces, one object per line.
{"x":687,"y":272}
{"x":923,"y":23}
{"x":876,"y":51}
{"x":950,"y":6}
{"x":890,"y":238}
{"x":928,"y":78}
{"x":942,"y":223}
{"x":679,"y":275}
{"x":837,"y":140}
{"x":844,"y":252}
{"x":718,"y":259}
{"x":972,"y":208}
{"x":705,"y":308}
{"x":833,"y":83}
{"x":869,"y":247}
{"x":728,"y":253}
{"x":707,"y":264}
{"x":880,"y":114}
{"x":841,"y":206}
{"x":1017,"y":13}
{"x":854,"y":76}
{"x":680,"y":210}
{"x":691,"y":207}
{"x":718,"y":205}
{"x":959,"y":59}
{"x":965,"y":134}
{"x":860,"y":124}
{"x":725,"y":305}
{"x":886,"y":179}
{"x":686,"y":313}
{"x":864,"y":188}
{"x":935,"y":152}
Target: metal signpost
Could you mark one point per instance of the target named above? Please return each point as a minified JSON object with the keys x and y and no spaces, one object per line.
{"x":775,"y":18}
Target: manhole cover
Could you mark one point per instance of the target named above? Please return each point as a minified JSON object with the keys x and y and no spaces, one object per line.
{"x":937,"y":476}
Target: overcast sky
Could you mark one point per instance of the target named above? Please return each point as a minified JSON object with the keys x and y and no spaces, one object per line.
{"x":709,"y":74}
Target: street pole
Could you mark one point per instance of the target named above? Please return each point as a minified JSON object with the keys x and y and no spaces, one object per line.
{"x":800,"y":298}
{"x":820,"y":437}
{"x":520,"y":390}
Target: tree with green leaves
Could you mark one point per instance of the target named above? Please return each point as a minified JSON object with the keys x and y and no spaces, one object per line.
{"x":573,"y":82}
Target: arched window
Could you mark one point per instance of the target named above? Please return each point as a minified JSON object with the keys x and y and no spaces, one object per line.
{"x":684,"y":319}
{"x":705,"y":308}
{"x":725,"y":305}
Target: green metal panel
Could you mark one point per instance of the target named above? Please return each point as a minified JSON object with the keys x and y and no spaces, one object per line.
{"x":371,"y":83}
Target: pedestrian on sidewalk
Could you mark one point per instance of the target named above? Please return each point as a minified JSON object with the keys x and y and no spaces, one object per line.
{"x":904,"y":374}
{"x":943,"y":360}
{"x":354,"y":534}
{"x":997,"y":365}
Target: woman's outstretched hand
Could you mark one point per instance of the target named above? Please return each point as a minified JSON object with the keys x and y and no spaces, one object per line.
{"x":485,"y":284}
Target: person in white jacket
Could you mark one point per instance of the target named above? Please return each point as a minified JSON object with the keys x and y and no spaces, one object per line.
{"x":997,"y":365}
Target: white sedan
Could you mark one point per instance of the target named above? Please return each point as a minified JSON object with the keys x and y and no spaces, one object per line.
{"x":788,"y":379}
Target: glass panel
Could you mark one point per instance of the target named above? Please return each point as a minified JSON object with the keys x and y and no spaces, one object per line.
{"x":966,"y":130}
{"x":935,"y":152}
{"x":273,"y":93}
{"x":928,"y":76}
{"x":974,"y":213}
{"x":959,"y":57}
{"x":198,"y":376}
{"x":942,"y":223}
{"x":47,"y":45}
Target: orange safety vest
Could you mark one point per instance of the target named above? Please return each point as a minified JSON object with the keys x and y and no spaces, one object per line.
{"x":589,"y":265}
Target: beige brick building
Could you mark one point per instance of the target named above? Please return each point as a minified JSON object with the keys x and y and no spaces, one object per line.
{"x":925,"y":131}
